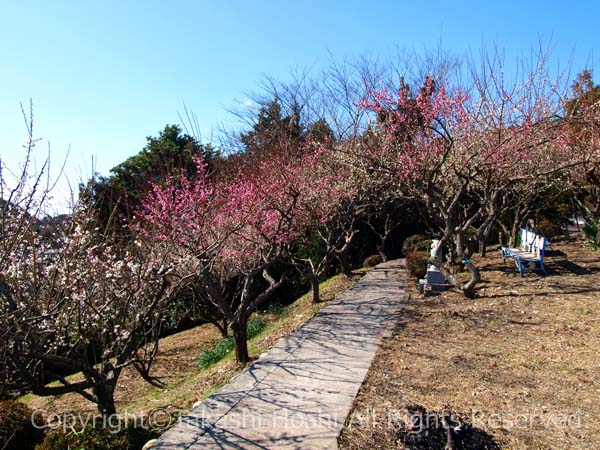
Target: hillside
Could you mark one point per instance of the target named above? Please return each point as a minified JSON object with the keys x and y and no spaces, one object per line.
{"x":179,"y":381}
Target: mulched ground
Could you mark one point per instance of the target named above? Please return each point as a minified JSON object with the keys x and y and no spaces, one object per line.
{"x":517,"y":367}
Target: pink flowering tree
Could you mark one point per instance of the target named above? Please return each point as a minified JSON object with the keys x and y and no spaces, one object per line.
{"x":323,"y":197}
{"x":226,"y":236}
{"x":276,"y":206}
{"x":185,"y":214}
{"x":460,"y":152}
{"x":417,"y":145}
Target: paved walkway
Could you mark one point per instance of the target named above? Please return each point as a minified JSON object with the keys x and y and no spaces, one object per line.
{"x":299,"y":394}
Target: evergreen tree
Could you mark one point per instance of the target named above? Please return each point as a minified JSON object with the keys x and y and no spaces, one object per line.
{"x":117,"y":196}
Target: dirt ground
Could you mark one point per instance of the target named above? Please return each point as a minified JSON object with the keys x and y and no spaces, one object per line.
{"x":178,"y":381}
{"x":517,"y":367}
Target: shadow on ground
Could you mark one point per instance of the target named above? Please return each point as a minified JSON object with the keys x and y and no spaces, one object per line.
{"x":431,"y":430}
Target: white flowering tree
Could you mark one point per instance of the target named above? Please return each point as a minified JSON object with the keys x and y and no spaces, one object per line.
{"x":84,"y":307}
{"x":74,"y":310}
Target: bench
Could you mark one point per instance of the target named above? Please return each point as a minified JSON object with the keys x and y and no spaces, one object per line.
{"x":530,"y":255}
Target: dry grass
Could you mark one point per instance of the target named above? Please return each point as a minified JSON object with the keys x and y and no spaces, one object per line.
{"x":520,"y":364}
{"x":181,"y":381}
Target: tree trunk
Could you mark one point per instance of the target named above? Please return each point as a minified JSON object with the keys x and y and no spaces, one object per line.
{"x":382,"y":253}
{"x":459,"y":246}
{"x":314,"y":283}
{"x":483,"y":234}
{"x":469,"y":287}
{"x":240,"y":339}
{"x":383,"y":246}
{"x":344,"y":263}
{"x":225,"y":328}
{"x":514,"y":231}
{"x":513,"y":235}
{"x":147,"y":355}
{"x":143,"y":368}
{"x":104,"y":394}
{"x":222,"y":326}
{"x":482,"y":248}
{"x":464,"y":257}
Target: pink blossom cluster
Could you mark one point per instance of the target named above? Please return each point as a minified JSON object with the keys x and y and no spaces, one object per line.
{"x":237,"y":223}
{"x":416,"y":128}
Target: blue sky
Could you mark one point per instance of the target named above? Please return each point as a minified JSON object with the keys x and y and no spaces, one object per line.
{"x":104,"y":75}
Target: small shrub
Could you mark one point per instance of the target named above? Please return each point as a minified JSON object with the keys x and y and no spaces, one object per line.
{"x":372,"y":261}
{"x":98,"y":438}
{"x":215,"y":354}
{"x":277,"y":309}
{"x":416,"y":263}
{"x":416,"y":243}
{"x":549,"y":228}
{"x":17,"y":431}
{"x":256,"y":325}
{"x":223,"y":346}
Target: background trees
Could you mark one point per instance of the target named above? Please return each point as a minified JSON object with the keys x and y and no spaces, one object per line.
{"x":585,"y":94}
{"x":117,"y":196}
{"x":583,"y":108}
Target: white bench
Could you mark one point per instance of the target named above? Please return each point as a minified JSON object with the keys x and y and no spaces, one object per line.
{"x":530,"y":255}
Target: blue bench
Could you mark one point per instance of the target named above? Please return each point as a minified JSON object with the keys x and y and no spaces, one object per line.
{"x":530,"y":255}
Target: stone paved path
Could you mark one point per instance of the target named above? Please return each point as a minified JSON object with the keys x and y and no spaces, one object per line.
{"x":299,"y":394}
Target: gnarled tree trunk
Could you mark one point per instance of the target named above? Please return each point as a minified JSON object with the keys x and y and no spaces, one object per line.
{"x":468,"y":288}
{"x":240,"y":338}
{"x":104,"y":396}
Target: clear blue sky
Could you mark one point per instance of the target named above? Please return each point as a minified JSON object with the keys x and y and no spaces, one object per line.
{"x":104,"y":75}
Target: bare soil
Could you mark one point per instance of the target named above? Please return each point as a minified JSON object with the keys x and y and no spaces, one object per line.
{"x":517,"y":367}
